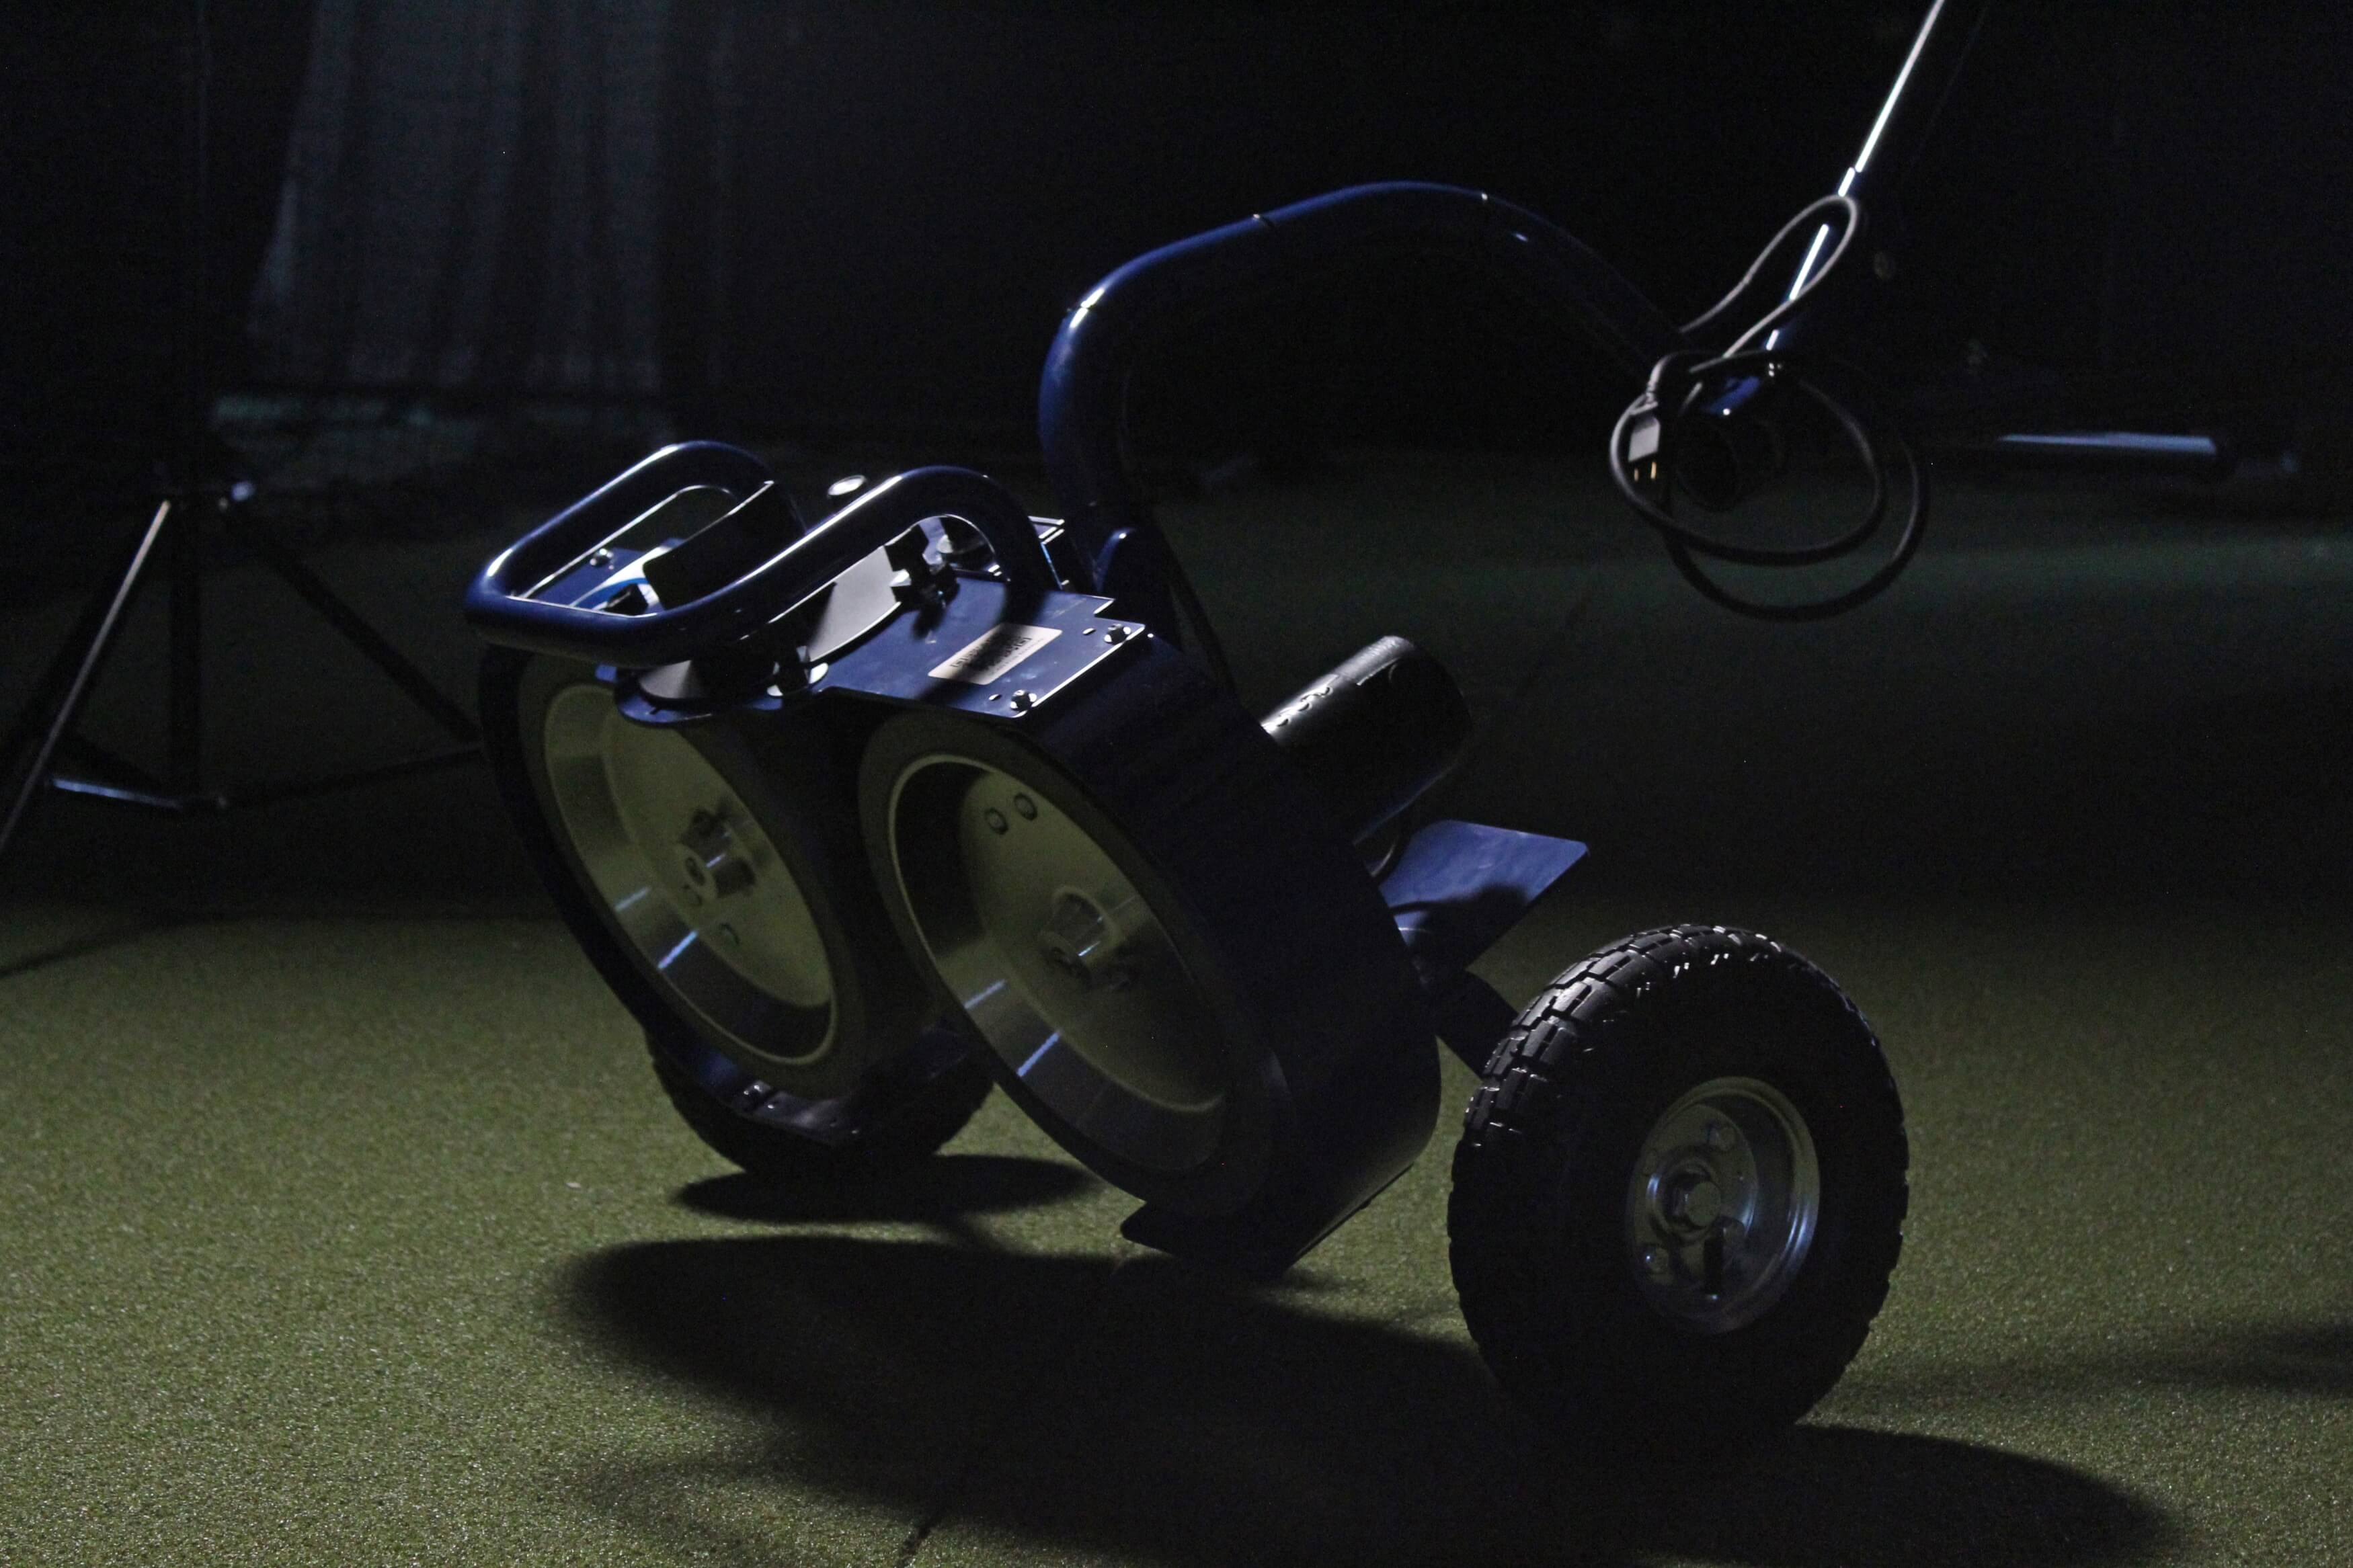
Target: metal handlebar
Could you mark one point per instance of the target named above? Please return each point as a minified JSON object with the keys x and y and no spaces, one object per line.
{"x":1081,"y":396}
{"x":500,"y":604}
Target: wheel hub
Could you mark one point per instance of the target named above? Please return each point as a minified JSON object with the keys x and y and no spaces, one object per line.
{"x":1722,"y":1203}
{"x":716,"y":863}
{"x":1060,"y":962}
{"x":1693,"y":1200}
{"x":692,"y":879}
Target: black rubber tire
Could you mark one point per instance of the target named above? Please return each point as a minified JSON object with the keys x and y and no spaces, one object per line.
{"x":780,"y":1156}
{"x":1537,"y":1222}
{"x":768,"y":772}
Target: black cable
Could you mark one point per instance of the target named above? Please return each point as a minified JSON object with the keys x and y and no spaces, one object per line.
{"x":1676,"y":534}
{"x":1907,"y":544}
{"x":1845,"y":207}
{"x":1676,"y":384}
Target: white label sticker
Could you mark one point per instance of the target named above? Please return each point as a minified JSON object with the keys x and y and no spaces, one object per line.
{"x":993,"y":652}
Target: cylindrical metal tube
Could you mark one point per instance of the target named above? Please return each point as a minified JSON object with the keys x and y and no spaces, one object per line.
{"x":1373,"y":734}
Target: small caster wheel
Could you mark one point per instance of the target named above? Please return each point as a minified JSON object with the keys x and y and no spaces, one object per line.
{"x":714,"y":875}
{"x":1679,"y":1195}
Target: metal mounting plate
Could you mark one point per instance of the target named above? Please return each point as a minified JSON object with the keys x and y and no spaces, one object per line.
{"x":980,"y":653}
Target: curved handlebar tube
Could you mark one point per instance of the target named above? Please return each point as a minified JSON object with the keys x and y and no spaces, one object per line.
{"x":500,"y":605}
{"x":1080,"y":397}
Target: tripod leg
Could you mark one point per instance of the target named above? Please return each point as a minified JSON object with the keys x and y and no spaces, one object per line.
{"x":57,"y":701}
{"x":315,"y":592}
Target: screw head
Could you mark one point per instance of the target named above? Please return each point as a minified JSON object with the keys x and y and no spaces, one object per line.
{"x":995,"y":820}
{"x":1720,"y":1136}
{"x":1025,"y":807}
{"x":1023,"y":701}
{"x":1656,"y":1263}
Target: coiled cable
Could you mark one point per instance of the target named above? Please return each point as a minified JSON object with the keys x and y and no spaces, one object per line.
{"x":1677,"y":384}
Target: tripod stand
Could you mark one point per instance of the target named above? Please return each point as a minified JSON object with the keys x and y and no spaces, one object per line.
{"x":195,"y":488}
{"x":44,"y":734}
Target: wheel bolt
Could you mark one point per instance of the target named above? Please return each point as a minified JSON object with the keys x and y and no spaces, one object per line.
{"x":1720,"y":1136}
{"x":713,"y":859}
{"x":1656,"y":1263}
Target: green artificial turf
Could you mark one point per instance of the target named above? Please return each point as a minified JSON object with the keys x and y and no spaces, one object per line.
{"x":340,"y":1221}
{"x":370,"y":1241}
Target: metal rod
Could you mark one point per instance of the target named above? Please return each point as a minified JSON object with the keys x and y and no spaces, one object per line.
{"x":94,"y":636}
{"x":2117,"y":452}
{"x":175,"y":803}
{"x":1931,"y":67}
{"x":1930,"y":70}
{"x":412,"y":680}
{"x":190,"y":803}
{"x":272,"y":794}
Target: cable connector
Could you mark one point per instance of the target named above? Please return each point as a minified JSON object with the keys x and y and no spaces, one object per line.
{"x":1706,"y":422}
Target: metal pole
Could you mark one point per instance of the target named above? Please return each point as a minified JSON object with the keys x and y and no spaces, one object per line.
{"x":95,"y":637}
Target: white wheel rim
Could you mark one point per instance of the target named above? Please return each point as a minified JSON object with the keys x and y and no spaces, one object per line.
{"x":1062,"y":964}
{"x":692,"y":879}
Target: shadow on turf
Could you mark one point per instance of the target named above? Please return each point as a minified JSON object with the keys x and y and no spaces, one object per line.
{"x":1146,"y":1411}
{"x":2242,"y":798}
{"x":2317,"y":1360}
{"x":118,"y":933}
{"x":2306,"y":1358}
{"x":936,"y":1192}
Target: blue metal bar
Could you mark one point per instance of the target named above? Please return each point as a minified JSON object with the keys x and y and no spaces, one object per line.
{"x":1081,"y":396}
{"x":502,"y":609}
{"x":2116,"y":452}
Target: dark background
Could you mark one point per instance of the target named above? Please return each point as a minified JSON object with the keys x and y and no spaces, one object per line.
{"x":794,"y":217}
{"x":454,"y":263}
{"x":802,"y":218}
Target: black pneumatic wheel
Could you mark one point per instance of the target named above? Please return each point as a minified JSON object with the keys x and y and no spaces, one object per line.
{"x":1679,"y":1195}
{"x":714,"y":875}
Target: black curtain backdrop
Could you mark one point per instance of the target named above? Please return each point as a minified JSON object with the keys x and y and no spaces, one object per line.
{"x":471,"y":200}
{"x":131,"y":242}
{"x":772,"y":214}
{"x":874,"y":213}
